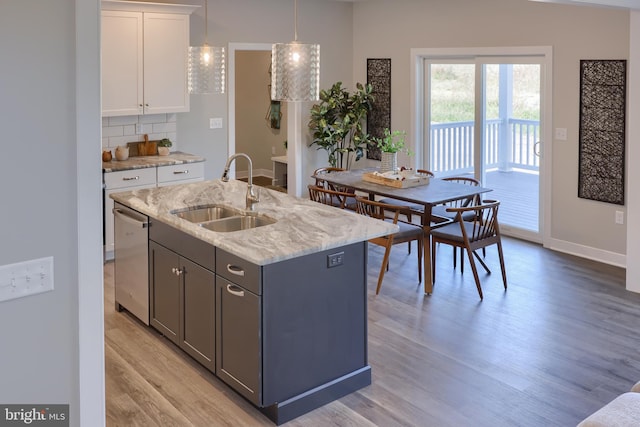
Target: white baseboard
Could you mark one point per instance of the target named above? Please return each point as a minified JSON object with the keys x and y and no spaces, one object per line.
{"x":607,"y":257}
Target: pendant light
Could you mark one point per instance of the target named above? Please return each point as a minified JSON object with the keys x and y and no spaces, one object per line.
{"x":206,"y":65}
{"x":295,"y":69}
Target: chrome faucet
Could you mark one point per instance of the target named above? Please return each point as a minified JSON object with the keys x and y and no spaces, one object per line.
{"x":252,"y":197}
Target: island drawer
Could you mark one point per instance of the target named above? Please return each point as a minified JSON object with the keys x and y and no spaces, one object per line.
{"x":190,"y":247}
{"x":130,"y":178}
{"x":239,"y":271}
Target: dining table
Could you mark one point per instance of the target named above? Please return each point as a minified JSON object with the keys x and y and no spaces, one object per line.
{"x":434,"y":192}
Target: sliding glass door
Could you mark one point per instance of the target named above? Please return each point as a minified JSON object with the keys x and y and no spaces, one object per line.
{"x":483,"y":119}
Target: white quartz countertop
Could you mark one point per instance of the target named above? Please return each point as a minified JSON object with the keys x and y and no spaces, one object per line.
{"x":302,"y":227}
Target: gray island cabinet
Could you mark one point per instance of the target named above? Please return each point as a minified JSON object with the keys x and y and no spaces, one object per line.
{"x":270,"y":311}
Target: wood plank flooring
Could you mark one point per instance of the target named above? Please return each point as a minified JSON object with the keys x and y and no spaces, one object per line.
{"x":561,"y":342}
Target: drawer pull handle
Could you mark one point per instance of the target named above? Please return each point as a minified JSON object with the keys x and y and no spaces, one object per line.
{"x":135,"y":178}
{"x":181,"y":172}
{"x":232,"y":290}
{"x":234,"y":269}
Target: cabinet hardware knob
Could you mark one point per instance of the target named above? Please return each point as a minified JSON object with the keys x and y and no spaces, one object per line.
{"x":234,"y":269}
{"x":176,"y":271}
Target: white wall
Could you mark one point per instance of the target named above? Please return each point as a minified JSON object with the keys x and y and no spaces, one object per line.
{"x":46,"y":209}
{"x":633,"y":153}
{"x":328,"y":23}
{"x":574,"y":33}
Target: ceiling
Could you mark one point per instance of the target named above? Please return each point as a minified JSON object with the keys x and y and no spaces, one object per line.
{"x":627,"y":4}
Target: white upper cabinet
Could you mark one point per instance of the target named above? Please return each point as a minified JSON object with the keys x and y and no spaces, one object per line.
{"x":144,"y":58}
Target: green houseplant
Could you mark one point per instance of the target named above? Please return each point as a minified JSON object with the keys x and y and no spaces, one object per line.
{"x":391,"y":141}
{"x":163,"y":146}
{"x":337,"y":123}
{"x":390,"y":144}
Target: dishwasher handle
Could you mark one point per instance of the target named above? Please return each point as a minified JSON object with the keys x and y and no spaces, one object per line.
{"x":131,"y":220}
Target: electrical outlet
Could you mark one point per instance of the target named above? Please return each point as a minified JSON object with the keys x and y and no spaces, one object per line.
{"x":561,"y":134}
{"x":619,"y":217}
{"x":26,"y":278}
{"x":335,"y":260}
{"x":273,"y":150}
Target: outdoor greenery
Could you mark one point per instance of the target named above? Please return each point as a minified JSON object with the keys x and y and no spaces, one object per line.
{"x":337,"y":123}
{"x":452,"y":92}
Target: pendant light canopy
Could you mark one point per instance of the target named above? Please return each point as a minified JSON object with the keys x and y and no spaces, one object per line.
{"x":295,"y":69}
{"x":206,"y":65}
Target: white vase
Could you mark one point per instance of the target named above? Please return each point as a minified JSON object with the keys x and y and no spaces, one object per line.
{"x":389,"y":162}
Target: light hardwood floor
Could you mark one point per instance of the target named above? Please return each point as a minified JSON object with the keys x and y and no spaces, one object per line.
{"x":562,"y":341}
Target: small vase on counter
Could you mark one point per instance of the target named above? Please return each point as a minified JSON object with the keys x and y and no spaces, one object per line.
{"x":122,"y":152}
{"x":106,"y":156}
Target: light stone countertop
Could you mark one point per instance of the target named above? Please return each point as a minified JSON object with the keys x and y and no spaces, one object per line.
{"x":141,"y":162}
{"x":303,"y":226}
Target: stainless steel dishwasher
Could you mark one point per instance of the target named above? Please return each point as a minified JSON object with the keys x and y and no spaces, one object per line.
{"x":131,"y":255}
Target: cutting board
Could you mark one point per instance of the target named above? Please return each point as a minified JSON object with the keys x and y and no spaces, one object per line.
{"x":146,"y":148}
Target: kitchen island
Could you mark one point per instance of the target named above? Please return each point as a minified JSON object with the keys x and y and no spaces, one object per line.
{"x":278,"y":312}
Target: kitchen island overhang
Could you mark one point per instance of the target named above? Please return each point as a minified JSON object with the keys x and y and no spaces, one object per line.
{"x":311,"y":327}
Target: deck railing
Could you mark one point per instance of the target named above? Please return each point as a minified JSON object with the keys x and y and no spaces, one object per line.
{"x":507,"y":146}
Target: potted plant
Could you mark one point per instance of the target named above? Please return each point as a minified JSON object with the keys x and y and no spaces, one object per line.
{"x":163,"y":146}
{"x":337,"y":123}
{"x":391,"y":143}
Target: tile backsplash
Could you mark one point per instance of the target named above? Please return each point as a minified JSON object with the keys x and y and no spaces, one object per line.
{"x":122,"y":129}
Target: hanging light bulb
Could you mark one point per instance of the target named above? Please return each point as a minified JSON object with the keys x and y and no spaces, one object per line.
{"x":206,"y":65}
{"x":295,"y":69}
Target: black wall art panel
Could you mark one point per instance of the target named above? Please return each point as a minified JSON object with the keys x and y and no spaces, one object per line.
{"x":379,"y":77}
{"x":602,"y":130}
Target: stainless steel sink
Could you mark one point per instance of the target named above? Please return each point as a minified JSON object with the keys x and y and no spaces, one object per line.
{"x":237,"y":223}
{"x":222,"y":219}
{"x":206,"y":213}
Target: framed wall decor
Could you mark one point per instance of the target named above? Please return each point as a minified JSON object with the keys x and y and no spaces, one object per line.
{"x":379,"y":118}
{"x":601,"y":139}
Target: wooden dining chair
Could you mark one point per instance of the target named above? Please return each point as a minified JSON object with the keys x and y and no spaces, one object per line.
{"x":482,"y":231}
{"x":408,"y":232}
{"x":317,"y":175}
{"x":441,"y":211}
{"x":339,"y":199}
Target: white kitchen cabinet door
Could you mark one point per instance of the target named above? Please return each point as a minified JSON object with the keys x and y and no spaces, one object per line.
{"x":166,"y":49}
{"x":122,"y":63}
{"x":144,"y":59}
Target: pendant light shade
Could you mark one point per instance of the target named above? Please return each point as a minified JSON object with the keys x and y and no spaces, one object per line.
{"x":295,"y":69}
{"x":206,"y":70}
{"x":206,"y":73}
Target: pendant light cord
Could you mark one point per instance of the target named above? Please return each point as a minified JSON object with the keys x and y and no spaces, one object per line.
{"x":295,"y":20}
{"x":206,"y":23}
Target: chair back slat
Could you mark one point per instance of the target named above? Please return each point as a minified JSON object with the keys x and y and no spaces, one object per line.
{"x":485,"y":223}
{"x":328,"y":197}
{"x":469,"y":201}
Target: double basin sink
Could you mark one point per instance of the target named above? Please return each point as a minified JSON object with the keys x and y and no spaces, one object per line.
{"x":223,"y":219}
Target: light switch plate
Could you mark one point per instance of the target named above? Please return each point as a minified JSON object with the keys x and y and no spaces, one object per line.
{"x":26,"y":278}
{"x":215,"y":123}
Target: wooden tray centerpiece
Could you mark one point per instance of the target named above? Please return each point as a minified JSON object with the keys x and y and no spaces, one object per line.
{"x":397,"y":179}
